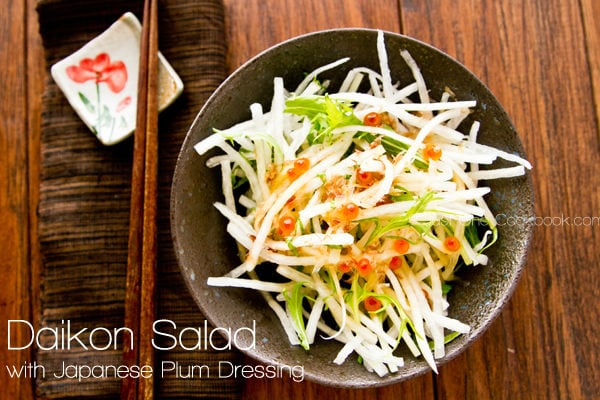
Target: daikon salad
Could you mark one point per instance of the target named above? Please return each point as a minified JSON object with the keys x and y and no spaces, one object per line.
{"x":361,"y":205}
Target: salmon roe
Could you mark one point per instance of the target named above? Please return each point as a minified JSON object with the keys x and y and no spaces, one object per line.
{"x":365,"y":178}
{"x":372,"y":304}
{"x":350,"y":211}
{"x":373,"y":119}
{"x":286,"y":225}
{"x":345,"y":267}
{"x":401,"y":246}
{"x":395,"y":262}
{"x":432,"y":152}
{"x":451,"y":243}
{"x":364,"y":267}
{"x":301,"y":165}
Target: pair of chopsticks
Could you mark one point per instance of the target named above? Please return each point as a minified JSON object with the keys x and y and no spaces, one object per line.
{"x":141,"y":260}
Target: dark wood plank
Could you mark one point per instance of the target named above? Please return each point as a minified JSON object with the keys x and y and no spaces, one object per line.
{"x":254,"y":25}
{"x":36,"y":69}
{"x":14,"y":210}
{"x":590,"y":10}
{"x":532,"y":55}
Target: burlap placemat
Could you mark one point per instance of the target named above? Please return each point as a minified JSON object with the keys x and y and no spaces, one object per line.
{"x":84,"y":201}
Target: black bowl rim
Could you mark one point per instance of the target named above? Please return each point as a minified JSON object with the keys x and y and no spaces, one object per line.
{"x":500,"y":302}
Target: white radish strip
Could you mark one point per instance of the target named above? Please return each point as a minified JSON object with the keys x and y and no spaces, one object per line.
{"x":299,"y":136}
{"x":276,"y":258}
{"x":336,"y":310}
{"x":462,"y":175}
{"x":275,"y":124}
{"x":312,"y":239}
{"x":217,"y":160}
{"x":315,"y":210}
{"x":403,"y":93}
{"x":375,"y":90}
{"x":263,"y":153}
{"x":388,"y":89}
{"x":210,"y":142}
{"x":348,"y":81}
{"x":392,"y":209}
{"x":462,"y":209}
{"x":498,"y":173}
{"x":417,"y":318}
{"x":310,"y":77}
{"x":241,"y":162}
{"x":244,"y":142}
{"x":376,"y":354}
{"x":399,"y":291}
{"x":378,"y":330}
{"x":347,"y":349}
{"x":381,"y":103}
{"x":315,"y":239}
{"x":463,"y":195}
{"x":437,"y":308}
{"x":370,"y":197}
{"x":473,"y":132}
{"x":235,"y":219}
{"x":466,"y":155}
{"x":222,"y":281}
{"x":247,"y":202}
{"x":502,"y":154}
{"x":342,"y":303}
{"x":407,"y":158}
{"x":256,"y":110}
{"x":422,"y":88}
{"x":288,"y":326}
{"x":312,"y":89}
{"x":227,"y":185}
{"x":405,"y":335}
{"x":399,"y":112}
{"x":313,"y":319}
{"x":452,"y":324}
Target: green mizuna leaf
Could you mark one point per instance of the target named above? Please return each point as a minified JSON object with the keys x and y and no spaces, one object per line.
{"x":324,"y":113}
{"x":294,"y":303}
{"x":403,"y":219}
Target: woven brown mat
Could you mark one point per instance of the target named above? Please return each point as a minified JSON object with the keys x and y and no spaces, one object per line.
{"x":84,"y":202}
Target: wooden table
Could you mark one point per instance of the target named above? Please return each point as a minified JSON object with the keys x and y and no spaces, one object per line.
{"x":541,"y":59}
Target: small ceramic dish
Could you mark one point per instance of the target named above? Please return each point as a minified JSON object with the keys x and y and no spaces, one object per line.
{"x":100,"y":80}
{"x":204,"y":248}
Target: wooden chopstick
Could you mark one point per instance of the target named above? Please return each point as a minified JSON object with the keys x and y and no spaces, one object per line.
{"x":141,"y":260}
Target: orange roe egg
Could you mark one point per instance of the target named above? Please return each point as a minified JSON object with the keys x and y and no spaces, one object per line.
{"x":372,"y":119}
{"x":395,"y":262}
{"x":372,"y":304}
{"x":364,"y":177}
{"x":401,"y":246}
{"x":350,"y":211}
{"x":364,"y":267}
{"x":286,"y":225}
{"x":451,"y":243}
{"x":345,"y":267}
{"x":432,"y":152}
{"x":301,"y":165}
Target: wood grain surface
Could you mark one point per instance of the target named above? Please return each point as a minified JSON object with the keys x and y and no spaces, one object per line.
{"x":541,"y":58}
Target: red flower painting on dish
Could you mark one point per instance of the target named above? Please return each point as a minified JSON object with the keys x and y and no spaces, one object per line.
{"x":100,"y":69}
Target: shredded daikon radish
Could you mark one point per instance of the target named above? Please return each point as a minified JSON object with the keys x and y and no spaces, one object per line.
{"x":366,"y":203}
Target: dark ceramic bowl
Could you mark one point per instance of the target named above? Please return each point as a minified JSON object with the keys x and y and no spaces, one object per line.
{"x":204,"y":249}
